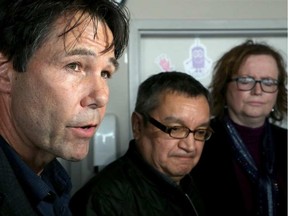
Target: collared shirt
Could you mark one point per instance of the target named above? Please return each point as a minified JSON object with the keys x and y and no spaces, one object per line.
{"x":49,"y":192}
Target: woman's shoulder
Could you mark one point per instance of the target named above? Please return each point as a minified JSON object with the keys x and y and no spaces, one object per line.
{"x":279,"y":129}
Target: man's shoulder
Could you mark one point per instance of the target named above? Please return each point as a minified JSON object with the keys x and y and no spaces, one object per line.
{"x":111,"y":183}
{"x":13,"y":200}
{"x":118,"y":178}
{"x":118,"y":171}
{"x":278,"y":129}
{"x":6,"y":170}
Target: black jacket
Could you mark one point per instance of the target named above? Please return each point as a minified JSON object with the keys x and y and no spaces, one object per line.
{"x":13,"y":200}
{"x":215,"y":174}
{"x":17,"y":199}
{"x":131,"y":187}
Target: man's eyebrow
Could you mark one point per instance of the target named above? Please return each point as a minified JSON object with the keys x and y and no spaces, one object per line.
{"x":176,"y":120}
{"x":88,"y":52}
{"x":115,"y":63}
{"x":80,"y":52}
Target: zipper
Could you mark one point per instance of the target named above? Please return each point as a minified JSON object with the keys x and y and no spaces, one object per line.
{"x":190,"y":201}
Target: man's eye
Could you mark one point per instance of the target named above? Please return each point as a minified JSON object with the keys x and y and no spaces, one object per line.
{"x":74,"y":66}
{"x":201,"y":132}
{"x":178,"y":128}
{"x":106,"y":74}
{"x":175,"y":128}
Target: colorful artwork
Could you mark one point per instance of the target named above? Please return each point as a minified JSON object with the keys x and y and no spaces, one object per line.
{"x":198,"y":64}
{"x":164,"y":63}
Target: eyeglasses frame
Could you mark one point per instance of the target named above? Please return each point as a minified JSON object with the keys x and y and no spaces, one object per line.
{"x":236,"y":79}
{"x":167,"y":129}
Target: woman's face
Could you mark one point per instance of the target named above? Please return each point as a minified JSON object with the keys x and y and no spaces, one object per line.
{"x":250,"y":108}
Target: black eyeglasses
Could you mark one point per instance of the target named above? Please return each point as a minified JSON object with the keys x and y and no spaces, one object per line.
{"x":180,"y":132}
{"x":268,"y":85}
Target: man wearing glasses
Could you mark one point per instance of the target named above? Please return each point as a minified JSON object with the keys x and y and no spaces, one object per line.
{"x":170,"y":126}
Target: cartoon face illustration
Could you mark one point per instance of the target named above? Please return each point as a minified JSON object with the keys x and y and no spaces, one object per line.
{"x":198,"y":64}
{"x":198,"y":57}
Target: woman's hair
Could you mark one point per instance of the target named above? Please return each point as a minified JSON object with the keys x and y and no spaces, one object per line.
{"x":229,"y":64}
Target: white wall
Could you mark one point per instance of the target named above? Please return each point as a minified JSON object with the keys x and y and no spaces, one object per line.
{"x":208,"y":9}
{"x":170,"y":9}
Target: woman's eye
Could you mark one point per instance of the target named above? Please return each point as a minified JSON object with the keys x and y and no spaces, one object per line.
{"x":245,"y":80}
{"x":269,"y":82}
{"x":74,"y":66}
{"x":106,"y":74}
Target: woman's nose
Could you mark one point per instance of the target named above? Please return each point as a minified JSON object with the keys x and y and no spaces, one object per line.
{"x":257,"y":88}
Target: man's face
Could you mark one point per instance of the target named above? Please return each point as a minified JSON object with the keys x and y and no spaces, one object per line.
{"x":173,"y":157}
{"x":59,"y":101}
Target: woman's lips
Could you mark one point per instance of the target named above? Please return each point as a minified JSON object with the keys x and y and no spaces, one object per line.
{"x":255,"y":103}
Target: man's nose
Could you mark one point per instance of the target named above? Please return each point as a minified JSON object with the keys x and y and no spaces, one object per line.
{"x":98,"y":93}
{"x":188,"y":143}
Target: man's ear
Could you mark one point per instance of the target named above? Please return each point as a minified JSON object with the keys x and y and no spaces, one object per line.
{"x":136,"y":120}
{"x":5,"y":74}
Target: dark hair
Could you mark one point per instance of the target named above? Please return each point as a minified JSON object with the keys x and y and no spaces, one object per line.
{"x":25,"y":24}
{"x":152,"y":88}
{"x":229,"y":65}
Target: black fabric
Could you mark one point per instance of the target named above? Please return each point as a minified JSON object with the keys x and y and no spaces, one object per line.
{"x":23,"y":193}
{"x":13,"y":199}
{"x":216,"y":177}
{"x":130,"y":187}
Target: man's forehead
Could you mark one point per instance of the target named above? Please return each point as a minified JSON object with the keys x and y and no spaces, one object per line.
{"x":74,"y":30}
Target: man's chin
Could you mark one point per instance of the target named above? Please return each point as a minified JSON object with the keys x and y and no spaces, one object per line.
{"x":76,"y":156}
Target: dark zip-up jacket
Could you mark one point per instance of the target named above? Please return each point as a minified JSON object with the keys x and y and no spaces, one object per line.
{"x":131,"y":187}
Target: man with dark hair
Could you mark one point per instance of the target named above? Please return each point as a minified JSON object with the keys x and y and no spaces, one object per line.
{"x":55,"y":59}
{"x":170,"y":125}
